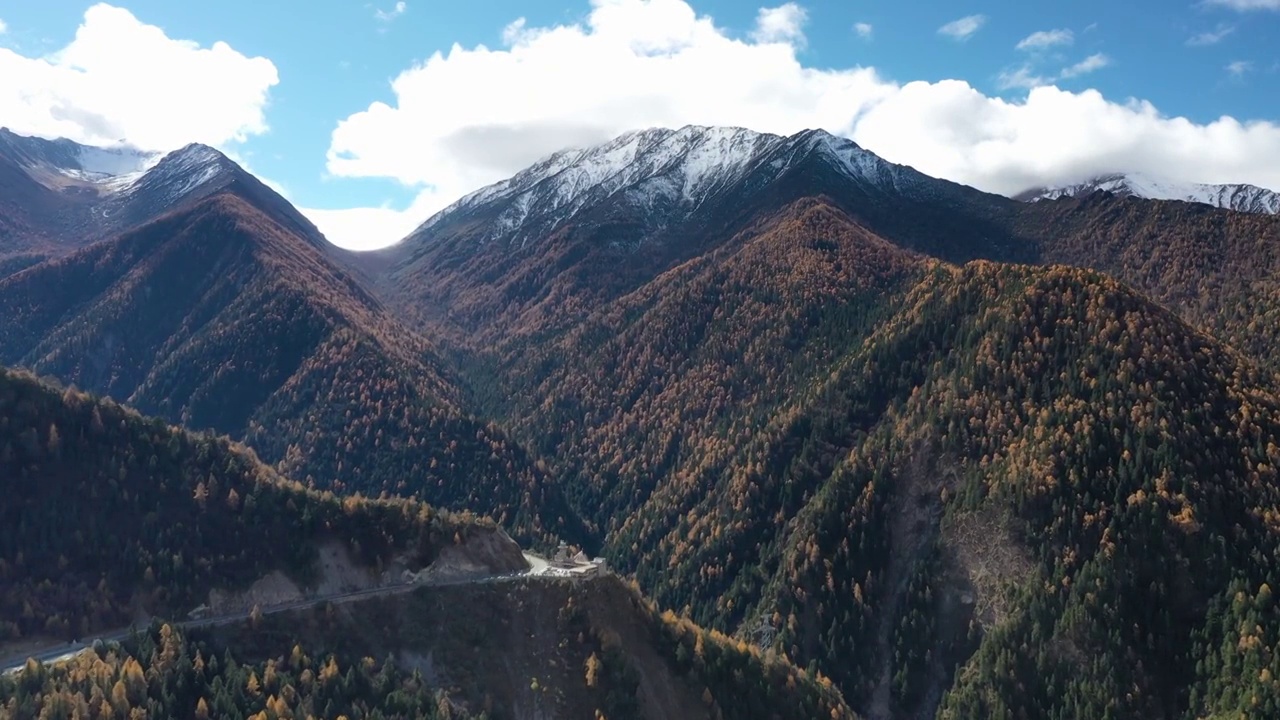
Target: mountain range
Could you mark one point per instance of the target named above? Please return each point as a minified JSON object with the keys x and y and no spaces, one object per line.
{"x":1244,"y":198}
{"x":965,"y":455}
{"x":57,"y":196}
{"x":230,"y":312}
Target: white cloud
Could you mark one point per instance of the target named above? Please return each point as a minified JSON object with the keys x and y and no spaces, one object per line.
{"x":1211,"y":37}
{"x":782,"y":24}
{"x":475,"y":115}
{"x":1025,"y":77}
{"x":1022,"y":77}
{"x":864,"y":30}
{"x":631,"y":63}
{"x":389,"y":15}
{"x":513,"y":31}
{"x":1097,"y":61}
{"x":1046,"y":39}
{"x":366,"y":228}
{"x":122,"y":79}
{"x":949,"y":129}
{"x":3,"y":28}
{"x":1243,"y":5}
{"x":1239,"y":68}
{"x":964,"y":28}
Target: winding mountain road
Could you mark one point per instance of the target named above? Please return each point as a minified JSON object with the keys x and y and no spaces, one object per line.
{"x":65,"y":651}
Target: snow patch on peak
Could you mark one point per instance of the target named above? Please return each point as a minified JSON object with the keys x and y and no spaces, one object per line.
{"x":715,"y":156}
{"x":190,"y":167}
{"x":666,"y":174}
{"x":1240,"y":197}
{"x":856,"y":162}
{"x":59,"y":163}
{"x":114,"y":173}
{"x":109,"y":163}
{"x":177,"y":175}
{"x":198,"y":153}
{"x":652,"y":166}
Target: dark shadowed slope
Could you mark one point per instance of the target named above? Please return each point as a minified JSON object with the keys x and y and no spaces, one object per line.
{"x":110,"y":514}
{"x":221,"y":316}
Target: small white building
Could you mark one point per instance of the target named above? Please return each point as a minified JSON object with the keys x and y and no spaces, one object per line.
{"x":562,"y":558}
{"x":576,"y":565}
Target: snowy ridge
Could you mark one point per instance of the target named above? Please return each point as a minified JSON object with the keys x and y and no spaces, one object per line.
{"x":113,"y":163}
{"x":73,"y":194}
{"x":182,"y":171}
{"x":57,"y":162}
{"x":194,"y":171}
{"x":116,"y":174}
{"x":667,"y":173}
{"x":1240,"y":197}
{"x":864,"y":166}
{"x":696,"y":159}
{"x":110,"y":187}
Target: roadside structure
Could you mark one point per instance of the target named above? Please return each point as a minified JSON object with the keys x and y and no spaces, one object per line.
{"x":576,"y":565}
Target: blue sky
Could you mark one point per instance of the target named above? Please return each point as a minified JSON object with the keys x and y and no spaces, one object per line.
{"x":471,"y":117}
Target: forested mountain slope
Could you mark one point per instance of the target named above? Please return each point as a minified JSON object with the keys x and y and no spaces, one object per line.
{"x":544,"y":649}
{"x":890,"y":465}
{"x":1219,"y":270}
{"x":223,"y":317}
{"x":807,"y":399}
{"x":109,"y":514}
{"x":535,"y":254}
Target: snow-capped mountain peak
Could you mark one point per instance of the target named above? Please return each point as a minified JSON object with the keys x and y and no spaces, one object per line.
{"x":1240,"y":197}
{"x":114,"y":171}
{"x":633,"y":156}
{"x":112,"y":163}
{"x":182,"y":171}
{"x":92,"y":191}
{"x":62,"y":162}
{"x":666,"y":174}
{"x":655,"y":165}
{"x":862,"y":165}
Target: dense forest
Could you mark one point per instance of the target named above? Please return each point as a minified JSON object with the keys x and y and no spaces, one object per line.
{"x":112,"y":512}
{"x":109,"y":513}
{"x":554,"y":649}
{"x":221,"y":317}
{"x":822,"y":415}
{"x":162,"y":673}
{"x":314,"y":665}
{"x":1220,"y":271}
{"x":893,"y":467}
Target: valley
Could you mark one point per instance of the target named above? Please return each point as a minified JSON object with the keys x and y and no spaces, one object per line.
{"x":231,"y":522}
